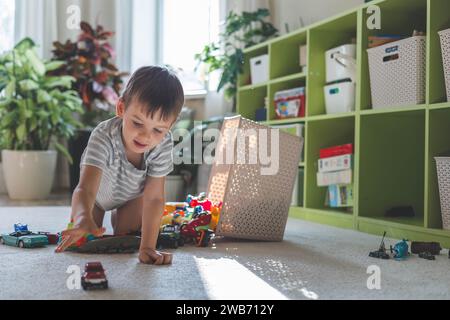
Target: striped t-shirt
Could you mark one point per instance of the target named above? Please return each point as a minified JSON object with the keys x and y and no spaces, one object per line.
{"x":122,"y":181}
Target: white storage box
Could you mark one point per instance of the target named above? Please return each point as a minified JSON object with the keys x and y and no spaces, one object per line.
{"x":340,"y":97}
{"x":259,"y":69}
{"x":397,"y":73}
{"x":340,"y":63}
{"x":445,"y":46}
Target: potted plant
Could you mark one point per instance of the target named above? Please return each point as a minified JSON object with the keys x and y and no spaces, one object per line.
{"x":98,"y":83}
{"x":36,"y":109}
{"x":241,"y":31}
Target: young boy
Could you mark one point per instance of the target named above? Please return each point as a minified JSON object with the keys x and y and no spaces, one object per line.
{"x":124,"y":166}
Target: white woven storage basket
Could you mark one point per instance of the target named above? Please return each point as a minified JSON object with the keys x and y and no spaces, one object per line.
{"x":397,"y":73}
{"x":445,"y":46}
{"x":255,"y":205}
{"x":443,"y":172}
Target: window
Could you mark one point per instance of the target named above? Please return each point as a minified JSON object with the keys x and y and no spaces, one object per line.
{"x":6,"y":25}
{"x":187,"y":26}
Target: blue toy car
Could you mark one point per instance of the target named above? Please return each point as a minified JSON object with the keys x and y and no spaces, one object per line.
{"x":23,"y":238}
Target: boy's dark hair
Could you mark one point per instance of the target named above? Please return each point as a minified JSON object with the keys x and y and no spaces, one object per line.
{"x":157,"y":88}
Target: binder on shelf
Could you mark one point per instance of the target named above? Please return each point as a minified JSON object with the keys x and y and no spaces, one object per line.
{"x":325,"y":179}
{"x":335,"y":163}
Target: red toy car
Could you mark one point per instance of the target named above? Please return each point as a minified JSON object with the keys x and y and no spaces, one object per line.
{"x":94,"y":276}
{"x":52,"y":237}
{"x":198,"y":230}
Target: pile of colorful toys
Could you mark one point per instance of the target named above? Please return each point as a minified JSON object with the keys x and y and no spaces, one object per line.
{"x":192,"y":221}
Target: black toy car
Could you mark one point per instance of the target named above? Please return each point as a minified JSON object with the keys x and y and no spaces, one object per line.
{"x":381,"y":252}
{"x":170,"y":237}
{"x":427,"y":256}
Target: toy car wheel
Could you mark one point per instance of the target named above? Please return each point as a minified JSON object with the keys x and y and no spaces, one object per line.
{"x":2,"y":241}
{"x":105,"y":285}
{"x":181,"y":242}
{"x":21,"y":244}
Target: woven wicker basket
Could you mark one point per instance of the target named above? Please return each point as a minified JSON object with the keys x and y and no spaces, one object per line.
{"x":443,"y":172}
{"x":444,"y":35}
{"x":397,"y":73}
{"x":255,"y":205}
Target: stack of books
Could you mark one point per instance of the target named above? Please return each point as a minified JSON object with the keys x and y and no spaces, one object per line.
{"x":336,"y":173}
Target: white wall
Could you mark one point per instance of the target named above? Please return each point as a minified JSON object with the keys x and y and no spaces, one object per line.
{"x":289,"y":11}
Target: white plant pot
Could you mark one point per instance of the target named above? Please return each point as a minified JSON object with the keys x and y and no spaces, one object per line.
{"x":29,"y":175}
{"x":2,"y":180}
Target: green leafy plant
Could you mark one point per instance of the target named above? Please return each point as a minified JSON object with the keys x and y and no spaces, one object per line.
{"x":36,"y":109}
{"x":241,"y":31}
{"x":89,"y":61}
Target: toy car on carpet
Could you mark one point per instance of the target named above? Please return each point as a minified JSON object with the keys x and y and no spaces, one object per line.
{"x":170,"y":237}
{"x":23,"y":238}
{"x":94,"y":276}
{"x":381,"y":252}
{"x":52,"y":238}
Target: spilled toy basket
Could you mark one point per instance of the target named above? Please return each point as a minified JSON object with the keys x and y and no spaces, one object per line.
{"x":443,"y":173}
{"x":255,"y":201}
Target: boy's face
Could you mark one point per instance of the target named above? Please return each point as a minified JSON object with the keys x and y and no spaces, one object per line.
{"x":141,"y":133}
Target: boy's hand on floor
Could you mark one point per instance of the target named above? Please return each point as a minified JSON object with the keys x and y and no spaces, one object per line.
{"x":79,"y":230}
{"x":150,"y":256}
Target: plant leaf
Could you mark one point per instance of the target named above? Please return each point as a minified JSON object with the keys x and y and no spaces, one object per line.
{"x":10,"y":89}
{"x":36,"y":63}
{"x":28,"y":85}
{"x":54,"y":65}
{"x":64,"y":151}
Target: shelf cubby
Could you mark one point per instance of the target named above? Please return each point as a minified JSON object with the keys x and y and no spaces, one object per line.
{"x":244,"y":79}
{"x":275,"y":86}
{"x":324,"y":37}
{"x":323,"y":134}
{"x":438,"y":145}
{"x":391,"y":165}
{"x":397,"y":18}
{"x":250,"y":100}
{"x":284,"y":59}
{"x":438,"y":20}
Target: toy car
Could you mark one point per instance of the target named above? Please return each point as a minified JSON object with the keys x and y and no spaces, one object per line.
{"x":52,"y":238}
{"x":94,"y":276}
{"x":24,"y":239}
{"x":170,"y":237}
{"x":198,"y":230}
{"x":381,"y":252}
{"x":400,"y":250}
{"x":427,"y":256}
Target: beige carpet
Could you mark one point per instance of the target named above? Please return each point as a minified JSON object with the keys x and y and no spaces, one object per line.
{"x":314,"y":262}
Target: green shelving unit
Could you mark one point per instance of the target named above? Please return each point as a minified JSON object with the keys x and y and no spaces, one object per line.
{"x":394,"y":148}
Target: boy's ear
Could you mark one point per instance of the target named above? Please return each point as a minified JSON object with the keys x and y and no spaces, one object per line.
{"x":120,"y":108}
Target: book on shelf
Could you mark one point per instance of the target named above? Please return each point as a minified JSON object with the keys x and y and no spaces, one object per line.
{"x":335,"y":163}
{"x":339,"y":196}
{"x":336,"y":151}
{"x":325,"y":179}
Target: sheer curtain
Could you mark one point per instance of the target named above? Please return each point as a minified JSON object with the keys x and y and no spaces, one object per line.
{"x":47,"y":20}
